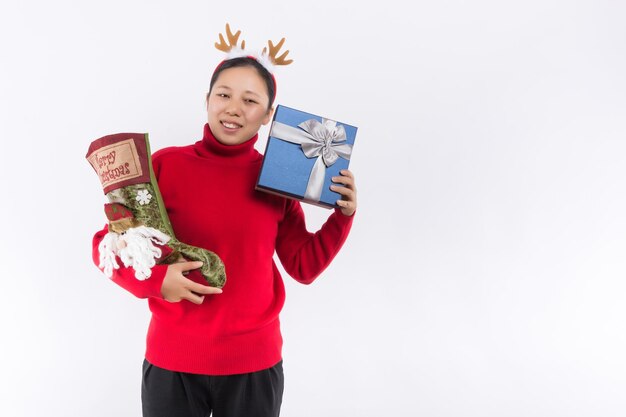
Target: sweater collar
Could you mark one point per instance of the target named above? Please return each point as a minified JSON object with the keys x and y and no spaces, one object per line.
{"x":210,"y":146}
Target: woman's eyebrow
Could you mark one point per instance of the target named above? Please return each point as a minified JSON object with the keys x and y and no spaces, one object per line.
{"x":247,"y":91}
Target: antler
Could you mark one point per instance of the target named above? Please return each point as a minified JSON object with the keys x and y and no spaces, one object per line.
{"x":274,"y":51}
{"x":232,"y":40}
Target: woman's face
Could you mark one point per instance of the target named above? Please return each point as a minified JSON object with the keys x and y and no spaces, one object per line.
{"x":237,"y":105}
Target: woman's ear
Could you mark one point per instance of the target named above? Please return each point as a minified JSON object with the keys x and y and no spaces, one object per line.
{"x":268,"y":116}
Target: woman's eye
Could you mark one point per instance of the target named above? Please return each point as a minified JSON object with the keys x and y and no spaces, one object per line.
{"x":222,"y":95}
{"x":249,"y":100}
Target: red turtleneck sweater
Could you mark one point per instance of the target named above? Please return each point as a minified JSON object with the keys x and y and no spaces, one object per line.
{"x":208,"y":190}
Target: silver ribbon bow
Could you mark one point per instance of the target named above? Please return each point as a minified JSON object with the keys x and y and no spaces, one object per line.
{"x":321,"y":140}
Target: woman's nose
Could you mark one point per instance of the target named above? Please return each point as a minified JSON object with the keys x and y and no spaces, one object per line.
{"x":233,"y":109}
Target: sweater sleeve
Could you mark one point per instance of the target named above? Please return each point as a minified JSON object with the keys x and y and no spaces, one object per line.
{"x":125,"y":276}
{"x":305,"y":255}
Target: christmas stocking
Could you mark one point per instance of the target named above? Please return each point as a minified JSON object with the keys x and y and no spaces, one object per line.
{"x":140,"y":233}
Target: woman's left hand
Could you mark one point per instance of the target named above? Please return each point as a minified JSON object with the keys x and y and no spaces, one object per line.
{"x":347,"y":203}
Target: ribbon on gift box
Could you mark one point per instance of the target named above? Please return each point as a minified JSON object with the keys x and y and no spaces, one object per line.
{"x":322,"y":140}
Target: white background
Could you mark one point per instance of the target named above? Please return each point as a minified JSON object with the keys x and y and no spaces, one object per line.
{"x":484,"y":275}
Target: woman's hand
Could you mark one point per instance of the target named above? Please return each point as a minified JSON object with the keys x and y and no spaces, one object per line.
{"x":177,"y":287}
{"x":348,"y":192}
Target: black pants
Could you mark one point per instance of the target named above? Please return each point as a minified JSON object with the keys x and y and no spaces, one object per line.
{"x":178,"y":394}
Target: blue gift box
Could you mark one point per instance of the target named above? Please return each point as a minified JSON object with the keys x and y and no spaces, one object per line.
{"x":303,"y":153}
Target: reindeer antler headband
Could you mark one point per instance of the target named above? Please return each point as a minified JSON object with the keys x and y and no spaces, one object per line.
{"x":268,"y":57}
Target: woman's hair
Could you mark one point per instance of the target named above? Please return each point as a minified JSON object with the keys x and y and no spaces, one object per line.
{"x":245,"y":61}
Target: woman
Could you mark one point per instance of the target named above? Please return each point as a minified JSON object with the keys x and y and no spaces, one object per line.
{"x":218,"y":351}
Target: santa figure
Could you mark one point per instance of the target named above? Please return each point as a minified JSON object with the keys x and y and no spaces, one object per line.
{"x":137,"y":245}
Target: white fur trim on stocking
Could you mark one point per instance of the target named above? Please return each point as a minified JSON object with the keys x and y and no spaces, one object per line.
{"x":140,"y":251}
{"x":108,"y":251}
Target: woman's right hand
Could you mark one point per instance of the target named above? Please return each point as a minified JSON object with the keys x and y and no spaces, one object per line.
{"x":177,"y":287}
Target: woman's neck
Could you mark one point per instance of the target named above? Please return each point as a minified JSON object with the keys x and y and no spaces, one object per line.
{"x":211,"y":146}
